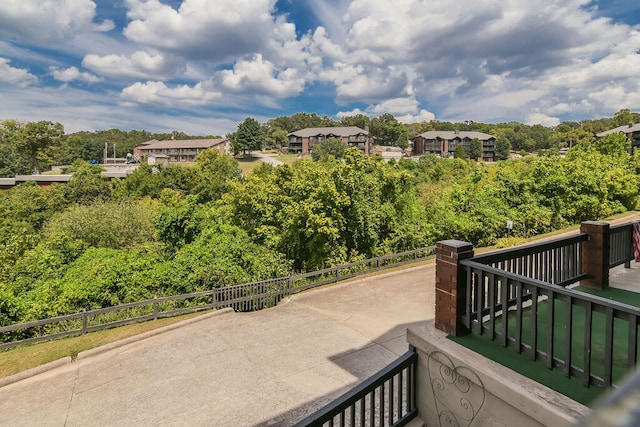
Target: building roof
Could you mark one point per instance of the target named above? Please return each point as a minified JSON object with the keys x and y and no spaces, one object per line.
{"x":630,"y":128}
{"x":451,"y":134}
{"x":181,"y":143}
{"x":337,"y":131}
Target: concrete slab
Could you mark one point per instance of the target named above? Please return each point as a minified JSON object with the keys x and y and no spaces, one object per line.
{"x":271,"y":367}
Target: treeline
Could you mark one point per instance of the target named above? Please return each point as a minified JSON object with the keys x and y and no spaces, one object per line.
{"x":31,"y":147}
{"x":169,"y":230}
{"x":35,"y":146}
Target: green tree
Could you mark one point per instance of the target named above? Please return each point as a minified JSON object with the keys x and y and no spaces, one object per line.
{"x":39,"y":143}
{"x":177,"y":221}
{"x":622,"y":117}
{"x":11,"y":162}
{"x":358,"y":120}
{"x":459,"y":153}
{"x":386,"y":130}
{"x":87,"y":185}
{"x":503,"y":147}
{"x":248,"y":137}
{"x":214,"y":171}
{"x":475,"y":151}
{"x":329,"y":147}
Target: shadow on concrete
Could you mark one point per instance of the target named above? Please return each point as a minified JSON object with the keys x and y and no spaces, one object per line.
{"x":362,"y":363}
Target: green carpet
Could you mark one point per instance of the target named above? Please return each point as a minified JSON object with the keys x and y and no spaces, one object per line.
{"x":555,"y":379}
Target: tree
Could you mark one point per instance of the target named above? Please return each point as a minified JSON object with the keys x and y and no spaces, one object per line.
{"x":359,"y":120}
{"x":459,"y":153}
{"x":39,"y":142}
{"x":214,"y":172}
{"x":475,"y":151}
{"x":386,"y":130}
{"x":622,"y":117}
{"x":503,"y":146}
{"x":329,"y":147}
{"x":11,"y":162}
{"x":248,"y":137}
{"x":87,"y":185}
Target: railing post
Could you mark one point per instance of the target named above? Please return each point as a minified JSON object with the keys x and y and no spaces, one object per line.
{"x":84,"y":320}
{"x":155,"y":307}
{"x":451,"y":285}
{"x":595,"y":254}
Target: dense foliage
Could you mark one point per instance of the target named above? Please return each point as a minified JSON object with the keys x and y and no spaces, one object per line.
{"x":171,"y":229}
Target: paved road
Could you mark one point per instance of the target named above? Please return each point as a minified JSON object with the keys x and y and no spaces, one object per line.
{"x":267,"y":159}
{"x":271,"y":367}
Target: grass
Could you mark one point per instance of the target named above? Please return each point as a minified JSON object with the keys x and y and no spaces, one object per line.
{"x":246,"y":164}
{"x":290,"y":158}
{"x":555,"y":379}
{"x":18,"y":359}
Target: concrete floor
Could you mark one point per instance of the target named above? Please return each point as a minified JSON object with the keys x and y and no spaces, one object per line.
{"x":271,"y":367}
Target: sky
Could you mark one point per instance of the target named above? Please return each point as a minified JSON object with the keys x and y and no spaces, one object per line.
{"x":203,"y":66}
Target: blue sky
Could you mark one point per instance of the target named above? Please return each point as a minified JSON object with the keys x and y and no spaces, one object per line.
{"x":202,"y":66}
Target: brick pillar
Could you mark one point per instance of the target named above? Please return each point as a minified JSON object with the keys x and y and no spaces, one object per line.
{"x":451,"y":285}
{"x":595,"y":254}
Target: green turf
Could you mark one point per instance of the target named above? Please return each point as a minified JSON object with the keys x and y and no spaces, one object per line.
{"x":537,"y":371}
{"x":554,"y":378}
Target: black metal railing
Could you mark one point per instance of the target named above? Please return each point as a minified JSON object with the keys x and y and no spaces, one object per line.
{"x":386,"y":399}
{"x":558,"y":262}
{"x":621,"y":245}
{"x":585,"y":336}
{"x":244,"y":297}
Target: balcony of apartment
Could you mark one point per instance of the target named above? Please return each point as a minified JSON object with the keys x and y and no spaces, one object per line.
{"x":360,"y":145}
{"x":533,"y":335}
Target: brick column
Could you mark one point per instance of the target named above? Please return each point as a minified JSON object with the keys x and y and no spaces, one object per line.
{"x":595,"y":254}
{"x":451,"y":285}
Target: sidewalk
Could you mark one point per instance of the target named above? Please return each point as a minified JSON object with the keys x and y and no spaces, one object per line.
{"x":271,"y":367}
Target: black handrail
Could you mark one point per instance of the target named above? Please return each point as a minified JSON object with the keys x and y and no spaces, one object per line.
{"x":386,"y":399}
{"x":496,"y":299}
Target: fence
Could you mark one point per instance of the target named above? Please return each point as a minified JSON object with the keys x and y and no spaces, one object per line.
{"x":244,"y":297}
{"x":386,"y":399}
{"x":520,"y":298}
{"x":585,"y":336}
{"x":621,"y":245}
{"x":558,"y":262}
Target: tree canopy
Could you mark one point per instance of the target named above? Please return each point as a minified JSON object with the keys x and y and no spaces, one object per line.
{"x":248,"y":137}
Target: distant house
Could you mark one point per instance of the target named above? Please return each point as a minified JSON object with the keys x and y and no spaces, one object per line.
{"x":175,"y":150}
{"x":632,"y":131}
{"x":444,"y":143}
{"x":303,"y":140}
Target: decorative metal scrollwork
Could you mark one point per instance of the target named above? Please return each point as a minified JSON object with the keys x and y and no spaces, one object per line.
{"x":458,"y":391}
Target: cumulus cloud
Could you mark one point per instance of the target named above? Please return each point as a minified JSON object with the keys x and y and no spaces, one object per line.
{"x":542,"y":119}
{"x":44,"y":22}
{"x":202,"y":29}
{"x":15,"y":76}
{"x":140,"y":64}
{"x":159,"y":94}
{"x":482,"y":60}
{"x":455,"y":54}
{"x":261,"y":77}
{"x":73,"y":74}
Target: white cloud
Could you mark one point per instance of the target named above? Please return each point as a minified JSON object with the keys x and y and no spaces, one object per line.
{"x":71,"y":74}
{"x":215,"y":31}
{"x":15,"y":76}
{"x":261,"y":77}
{"x":140,"y":64}
{"x":542,"y":119}
{"x":158,"y":94}
{"x":46,"y":21}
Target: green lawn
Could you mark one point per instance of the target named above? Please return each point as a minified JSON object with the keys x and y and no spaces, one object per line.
{"x":555,"y":379}
{"x":25,"y":357}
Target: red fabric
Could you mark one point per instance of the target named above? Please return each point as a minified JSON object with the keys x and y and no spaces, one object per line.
{"x":636,"y":240}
